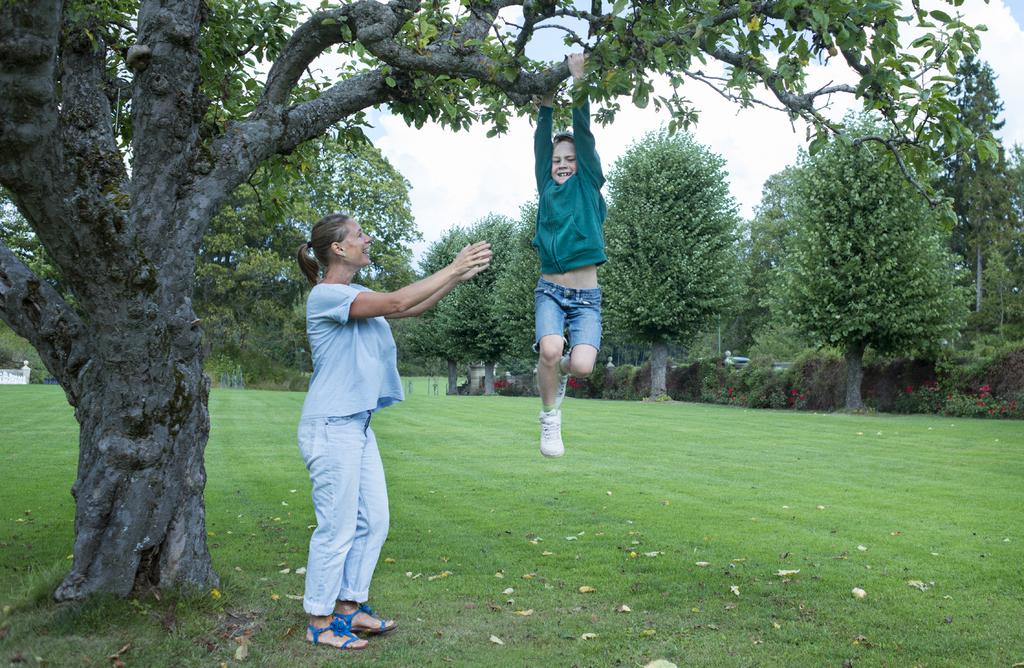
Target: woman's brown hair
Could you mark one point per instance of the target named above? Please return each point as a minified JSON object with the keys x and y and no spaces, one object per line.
{"x":329,"y":229}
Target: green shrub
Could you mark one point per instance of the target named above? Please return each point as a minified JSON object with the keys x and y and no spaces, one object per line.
{"x":817,"y":381}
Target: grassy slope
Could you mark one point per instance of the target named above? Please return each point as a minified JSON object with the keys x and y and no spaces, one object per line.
{"x":739,"y":489}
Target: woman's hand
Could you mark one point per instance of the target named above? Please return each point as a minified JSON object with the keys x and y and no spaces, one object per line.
{"x":576,"y":63}
{"x":471,"y":260}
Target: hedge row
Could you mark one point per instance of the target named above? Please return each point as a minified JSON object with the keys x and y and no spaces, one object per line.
{"x":817,"y":381}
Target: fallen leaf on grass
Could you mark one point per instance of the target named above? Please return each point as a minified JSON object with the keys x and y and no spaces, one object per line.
{"x":215,"y":594}
{"x":862,"y":641}
{"x":734,"y":589}
{"x":499,"y":574}
{"x":294,"y":597}
{"x":285,"y":571}
{"x":820,"y":507}
{"x":585,"y":589}
{"x":858,"y":592}
{"x":523,"y":613}
{"x":588,"y":636}
{"x":648,"y":633}
{"x":496,"y":640}
{"x":387,"y":560}
{"x":570,"y":537}
{"x":917,"y":584}
{"x":545,"y":553}
{"x":623,"y":608}
{"x":703,"y":564}
{"x":508,"y":591}
{"x":442,"y":574}
{"x":300,"y":571}
{"x":787,"y":573}
{"x":529,"y":576}
{"x":661,"y":663}
{"x":652,"y":554}
{"x":776,"y":625}
{"x":242,"y":652}
{"x":862,"y":548}
{"x":117,"y":655}
{"x":275,"y":597}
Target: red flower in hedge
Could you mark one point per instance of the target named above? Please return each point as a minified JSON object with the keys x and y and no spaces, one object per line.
{"x":909,"y":389}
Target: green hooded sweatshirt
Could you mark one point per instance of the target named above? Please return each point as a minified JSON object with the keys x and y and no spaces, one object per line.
{"x":570,"y":217}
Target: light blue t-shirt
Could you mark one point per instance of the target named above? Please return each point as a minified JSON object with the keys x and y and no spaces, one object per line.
{"x":355,"y":365}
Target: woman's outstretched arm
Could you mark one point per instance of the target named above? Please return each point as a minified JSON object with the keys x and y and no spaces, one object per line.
{"x":470,"y":261}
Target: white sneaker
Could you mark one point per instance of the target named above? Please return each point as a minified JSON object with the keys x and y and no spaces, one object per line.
{"x":551,"y":434}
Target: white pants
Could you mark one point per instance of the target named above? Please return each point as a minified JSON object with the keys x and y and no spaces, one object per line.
{"x":350,"y":498}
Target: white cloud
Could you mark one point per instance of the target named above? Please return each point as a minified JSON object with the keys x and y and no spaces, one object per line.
{"x":460,"y":177}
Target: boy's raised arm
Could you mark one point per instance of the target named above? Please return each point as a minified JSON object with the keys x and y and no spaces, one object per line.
{"x":587,"y":161}
{"x":542,"y":143}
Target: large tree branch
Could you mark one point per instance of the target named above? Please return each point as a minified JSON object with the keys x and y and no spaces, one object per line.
{"x":29,"y":35}
{"x":165,"y":107}
{"x":35,"y":311}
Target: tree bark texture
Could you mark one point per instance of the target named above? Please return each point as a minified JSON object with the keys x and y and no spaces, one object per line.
{"x":488,"y":377}
{"x":453,"y":380}
{"x":977,"y":280}
{"x":659,"y":367}
{"x":854,"y":375}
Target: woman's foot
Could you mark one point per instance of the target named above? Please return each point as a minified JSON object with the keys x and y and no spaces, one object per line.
{"x":362,"y":619}
{"x":333,"y":632}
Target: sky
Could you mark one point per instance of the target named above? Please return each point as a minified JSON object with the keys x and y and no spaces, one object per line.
{"x":459,"y":177}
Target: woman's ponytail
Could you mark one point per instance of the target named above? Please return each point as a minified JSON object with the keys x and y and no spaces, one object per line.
{"x":308,"y":265}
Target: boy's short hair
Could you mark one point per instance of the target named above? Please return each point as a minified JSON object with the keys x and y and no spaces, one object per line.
{"x":564,"y":135}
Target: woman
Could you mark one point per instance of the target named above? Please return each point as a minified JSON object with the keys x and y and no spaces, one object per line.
{"x":354,"y":375}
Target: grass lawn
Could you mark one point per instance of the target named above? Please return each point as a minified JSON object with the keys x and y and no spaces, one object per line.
{"x":644,"y":493}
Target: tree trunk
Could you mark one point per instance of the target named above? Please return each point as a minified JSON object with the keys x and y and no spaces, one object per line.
{"x":854,"y":376}
{"x":489,"y":377}
{"x":453,"y":381}
{"x":140,"y":515}
{"x":977,"y":282}
{"x":659,"y":364}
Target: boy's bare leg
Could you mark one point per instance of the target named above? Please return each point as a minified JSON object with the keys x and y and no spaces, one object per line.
{"x":548,"y":369}
{"x":581,"y":360}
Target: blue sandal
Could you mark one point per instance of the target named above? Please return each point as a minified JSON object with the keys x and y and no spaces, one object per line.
{"x":384,"y":628}
{"x":341,"y":628}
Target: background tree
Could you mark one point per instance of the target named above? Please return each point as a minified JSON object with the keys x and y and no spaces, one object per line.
{"x":128,"y":125}
{"x":432,"y":335}
{"x":868,"y":265}
{"x":769,"y":234}
{"x":513,"y":292}
{"x":671,"y":238}
{"x":469,"y":324}
{"x":249,"y":291}
{"x":977,"y":180}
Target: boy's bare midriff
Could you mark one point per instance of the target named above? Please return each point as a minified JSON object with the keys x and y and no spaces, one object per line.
{"x":581,"y":278}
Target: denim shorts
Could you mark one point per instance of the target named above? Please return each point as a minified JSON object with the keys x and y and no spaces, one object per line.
{"x":557,"y":307}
